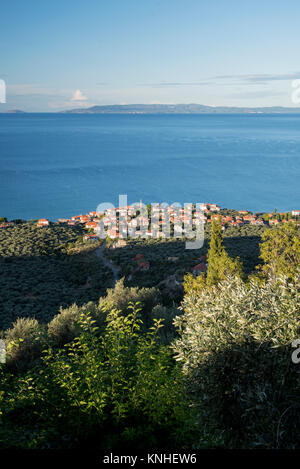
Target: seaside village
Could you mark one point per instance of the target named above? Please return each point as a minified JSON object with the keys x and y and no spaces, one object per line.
{"x":151,"y":226}
{"x":111,"y":219}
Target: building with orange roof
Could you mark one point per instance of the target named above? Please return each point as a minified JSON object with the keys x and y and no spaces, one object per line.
{"x":43,"y":222}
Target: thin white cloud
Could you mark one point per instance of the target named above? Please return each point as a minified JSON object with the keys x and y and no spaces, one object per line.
{"x":175,"y":83}
{"x":260,"y":78}
{"x":256,"y":94}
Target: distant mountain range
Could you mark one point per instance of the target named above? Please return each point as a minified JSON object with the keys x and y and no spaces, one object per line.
{"x":173,"y":109}
{"x":178,"y":109}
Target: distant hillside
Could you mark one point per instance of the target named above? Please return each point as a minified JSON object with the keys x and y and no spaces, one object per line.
{"x":177,"y":109}
{"x":171,"y":109}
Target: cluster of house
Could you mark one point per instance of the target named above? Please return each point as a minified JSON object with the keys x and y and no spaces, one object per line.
{"x":210,"y":207}
{"x":90,"y":220}
{"x":115,"y":220}
{"x":158,"y":223}
{"x":244,"y":217}
{"x":118,"y":221}
{"x":273,"y":220}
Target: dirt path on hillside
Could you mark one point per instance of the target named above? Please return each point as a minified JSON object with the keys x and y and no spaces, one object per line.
{"x":107,"y":263}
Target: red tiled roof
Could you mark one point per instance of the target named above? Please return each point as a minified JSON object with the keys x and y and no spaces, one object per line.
{"x":139,"y":256}
{"x":200,"y":267}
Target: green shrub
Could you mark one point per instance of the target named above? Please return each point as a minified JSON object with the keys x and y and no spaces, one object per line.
{"x":235,"y":349}
{"x":24,"y":342}
{"x":119,"y":390}
{"x":166,"y":315}
{"x":64,"y":326}
{"x":121,"y":297}
{"x":280,"y":250}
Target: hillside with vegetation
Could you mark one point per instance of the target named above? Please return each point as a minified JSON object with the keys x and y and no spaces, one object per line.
{"x":135,"y":368}
{"x":43,"y":269}
{"x":168,"y":257}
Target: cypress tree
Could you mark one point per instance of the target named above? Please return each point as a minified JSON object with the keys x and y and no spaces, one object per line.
{"x":219,"y":263}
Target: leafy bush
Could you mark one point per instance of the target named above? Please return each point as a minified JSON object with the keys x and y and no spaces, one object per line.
{"x":24,"y":342}
{"x":280,"y":250}
{"x":65,"y":326}
{"x":118,"y":390}
{"x":121,"y":297}
{"x":166,"y":315}
{"x":235,"y":348}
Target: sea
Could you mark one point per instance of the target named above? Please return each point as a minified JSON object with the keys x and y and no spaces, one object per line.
{"x":58,"y":165}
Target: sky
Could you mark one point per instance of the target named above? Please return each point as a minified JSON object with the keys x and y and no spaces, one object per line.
{"x":67,"y":54}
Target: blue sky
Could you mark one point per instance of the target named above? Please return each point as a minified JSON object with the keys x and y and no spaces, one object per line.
{"x":63,"y":54}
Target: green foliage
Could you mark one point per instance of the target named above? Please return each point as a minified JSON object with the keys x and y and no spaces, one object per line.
{"x":25,"y":239}
{"x":117,"y":390}
{"x":24,"y":342}
{"x":64,"y":326}
{"x":167,"y":316}
{"x":101,"y":374}
{"x":39,"y":274}
{"x":238,"y":241}
{"x":122,"y":297}
{"x":193,"y":284}
{"x":235,"y":349}
{"x":219,"y":263}
{"x":280,"y":250}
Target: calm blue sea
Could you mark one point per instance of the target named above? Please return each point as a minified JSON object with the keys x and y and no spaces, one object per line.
{"x":56,"y":165}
